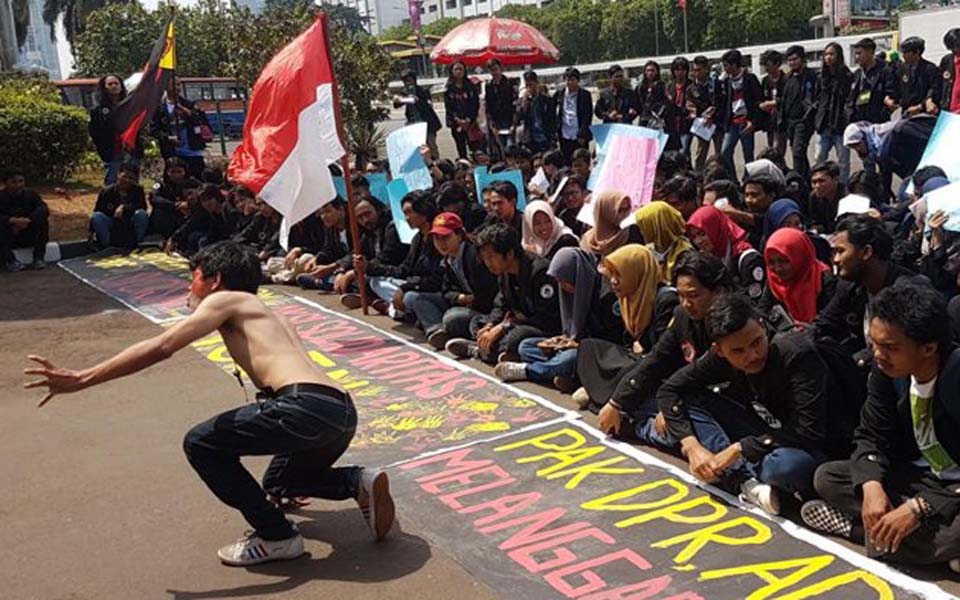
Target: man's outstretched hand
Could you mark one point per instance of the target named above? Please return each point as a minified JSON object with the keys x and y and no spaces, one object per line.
{"x":55,"y":379}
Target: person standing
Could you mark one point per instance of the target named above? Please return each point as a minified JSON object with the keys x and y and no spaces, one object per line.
{"x":537,"y":114}
{"x":617,"y":103}
{"x":652,"y":97}
{"x":178,"y":126}
{"x":798,"y":108}
{"x":500,"y":102}
{"x":24,"y":221}
{"x":110,"y":92}
{"x":574,"y":114}
{"x":950,"y":69}
{"x":870,"y":83}
{"x":461,"y":99}
{"x":678,"y":116}
{"x":772,"y":85}
{"x":741,"y":109}
{"x":916,"y":84}
{"x":418,"y":108}
{"x":832,"y":90}
{"x":701,"y":103}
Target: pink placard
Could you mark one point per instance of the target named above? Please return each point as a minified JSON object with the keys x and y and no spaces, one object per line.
{"x":629,"y":166}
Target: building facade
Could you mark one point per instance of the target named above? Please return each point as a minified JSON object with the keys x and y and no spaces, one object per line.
{"x":39,"y":52}
{"x":431,"y":10}
{"x":379,"y":14}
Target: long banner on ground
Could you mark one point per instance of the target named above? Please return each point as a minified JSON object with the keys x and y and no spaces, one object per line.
{"x":533,"y":502}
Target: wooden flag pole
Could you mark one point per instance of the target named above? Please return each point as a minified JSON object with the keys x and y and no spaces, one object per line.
{"x":345,"y":165}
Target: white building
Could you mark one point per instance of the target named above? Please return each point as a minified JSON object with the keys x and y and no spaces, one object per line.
{"x":39,"y":51}
{"x":431,"y":10}
{"x":379,"y":14}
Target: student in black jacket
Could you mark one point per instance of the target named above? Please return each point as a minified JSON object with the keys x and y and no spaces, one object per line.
{"x":120,"y":215}
{"x":500,"y":102}
{"x":798,"y":108}
{"x":772,"y":416}
{"x":167,"y":207}
{"x":24,"y":221}
{"x":334,"y":244}
{"x":772,"y":85}
{"x":899,"y":492}
{"x":833,"y":88}
{"x":110,"y":92}
{"x":263,"y":231}
{"x":740,"y":111}
{"x":418,"y":108}
{"x":453,"y":197}
{"x":380,"y":244}
{"x":950,"y":71}
{"x":702,"y":103}
{"x":537,"y":112}
{"x":178,"y":124}
{"x":617,"y":103}
{"x":467,"y":287}
{"x":461,"y":100}
{"x":526,"y":304}
{"x":916,"y":85}
{"x":869,"y":87}
{"x":574,"y":114}
{"x":652,"y":97}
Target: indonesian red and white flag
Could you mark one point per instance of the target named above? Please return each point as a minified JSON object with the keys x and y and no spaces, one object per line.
{"x":290,"y":134}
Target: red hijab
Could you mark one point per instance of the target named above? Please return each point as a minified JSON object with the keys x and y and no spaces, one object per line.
{"x":724,"y":234}
{"x":800,"y":294}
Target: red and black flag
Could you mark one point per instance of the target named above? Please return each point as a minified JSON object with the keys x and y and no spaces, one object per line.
{"x":134,"y":110}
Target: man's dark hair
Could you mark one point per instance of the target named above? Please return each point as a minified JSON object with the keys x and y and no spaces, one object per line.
{"x":242,"y":190}
{"x":236,"y":263}
{"x":866,"y":44}
{"x":672,"y":162}
{"x":192,"y":183}
{"x":530,"y":75}
{"x":732,"y":57}
{"x":422,"y":203}
{"x":211,"y":191}
{"x":916,"y":309}
{"x":729,"y":314}
{"x":770,"y":186}
{"x":505,"y":189}
{"x":613,"y":69}
{"x":499,"y":167}
{"x":501,"y":237}
{"x":776,"y":157}
{"x":701,"y":61}
{"x":494,"y":62}
{"x":357,"y":180}
{"x":715,"y":171}
{"x":130,"y":169}
{"x":572,"y":72}
{"x":829,"y":167}
{"x":771,"y":57}
{"x":925,"y":174}
{"x":913,"y":44}
{"x":724,"y":188}
{"x":211,"y":175}
{"x":685,"y":188}
{"x":951,"y":39}
{"x":680,"y":62}
{"x":867,"y":183}
{"x":451,"y":192}
{"x":554,"y":158}
{"x":103,"y":98}
{"x":796,"y":50}
{"x":581,"y":154}
{"x":864,"y":230}
{"x":705,"y":268}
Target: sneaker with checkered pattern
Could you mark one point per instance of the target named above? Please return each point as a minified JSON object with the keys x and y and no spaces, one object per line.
{"x":822,"y":517}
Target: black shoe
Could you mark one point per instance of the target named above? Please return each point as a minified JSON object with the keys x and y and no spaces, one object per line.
{"x":566,"y":385}
{"x":38,"y":264}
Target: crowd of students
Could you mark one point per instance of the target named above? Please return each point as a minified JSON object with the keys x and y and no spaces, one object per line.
{"x":800,"y":356}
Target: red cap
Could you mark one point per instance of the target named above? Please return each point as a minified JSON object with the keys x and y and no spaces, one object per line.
{"x":446,"y":223}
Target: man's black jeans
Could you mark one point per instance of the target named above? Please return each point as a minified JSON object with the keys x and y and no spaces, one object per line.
{"x":306,"y":426}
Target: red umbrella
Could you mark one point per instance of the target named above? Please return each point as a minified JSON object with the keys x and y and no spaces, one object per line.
{"x":478,"y":40}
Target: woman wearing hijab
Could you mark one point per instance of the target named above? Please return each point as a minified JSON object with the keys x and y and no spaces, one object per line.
{"x":645,"y":307}
{"x":610,"y":208}
{"x":787,"y":213}
{"x":586,"y":309}
{"x":713,"y":232}
{"x":796,"y":280}
{"x":543,"y":233}
{"x":663,"y":229}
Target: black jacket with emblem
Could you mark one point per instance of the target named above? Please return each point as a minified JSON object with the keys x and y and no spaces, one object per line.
{"x":530,"y":297}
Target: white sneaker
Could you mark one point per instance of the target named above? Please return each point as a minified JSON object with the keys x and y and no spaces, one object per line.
{"x":253,"y":550}
{"x":375,"y":502}
{"x":760,"y":494}
{"x":511,"y":371}
{"x":582,"y":398}
{"x":954,"y":565}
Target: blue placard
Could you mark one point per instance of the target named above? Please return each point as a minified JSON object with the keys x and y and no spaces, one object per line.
{"x":403,"y":153}
{"x":941,"y":150}
{"x":514,"y":176}
{"x":602,"y":134}
{"x":378,"y":186}
{"x":341,"y":186}
{"x":397,"y":189}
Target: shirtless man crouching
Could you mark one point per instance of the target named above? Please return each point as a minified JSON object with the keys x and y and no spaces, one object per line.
{"x":301,"y":417}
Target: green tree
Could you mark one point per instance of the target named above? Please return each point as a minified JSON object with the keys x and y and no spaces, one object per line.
{"x":575,"y":30}
{"x":397,"y":32}
{"x":75,"y":14}
{"x":441,"y":27}
{"x":627,"y":29}
{"x":117,"y":39}
{"x":699,"y":16}
{"x":201,"y":47}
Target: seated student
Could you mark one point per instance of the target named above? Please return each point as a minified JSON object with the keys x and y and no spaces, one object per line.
{"x":467,"y":288}
{"x":263,"y":230}
{"x":663,"y":228}
{"x":713,"y":232}
{"x":899,"y":492}
{"x":630,"y":388}
{"x":552,"y":163}
{"x":244,"y":203}
{"x":862,"y":249}
{"x":680,"y":192}
{"x":723,"y":191}
{"x":772,"y":418}
{"x":380,"y":244}
{"x":211,"y":221}
{"x":305,"y":239}
{"x":167,"y":206}
{"x":610,"y":208}
{"x":825,"y":195}
{"x":526,"y":304}
{"x":637,"y":299}
{"x":335,"y":243}
{"x":543,"y":232}
{"x":24,"y":222}
{"x":568,"y":201}
{"x":796,"y":280}
{"x":580,"y":163}
{"x":419,"y":271}
{"x":502,"y":207}
{"x":787,"y":213}
{"x":759,"y":192}
{"x":453,"y":197}
{"x":120,"y":214}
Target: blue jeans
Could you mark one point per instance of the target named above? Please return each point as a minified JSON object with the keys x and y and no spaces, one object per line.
{"x":456,"y":321}
{"x":428,"y":307}
{"x":731,"y":138}
{"x":101,"y":224}
{"x":543,"y":367}
{"x":833,"y":141}
{"x":385,"y":287}
{"x":307,"y":431}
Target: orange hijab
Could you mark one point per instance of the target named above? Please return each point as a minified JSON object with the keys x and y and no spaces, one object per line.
{"x":799,"y":294}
